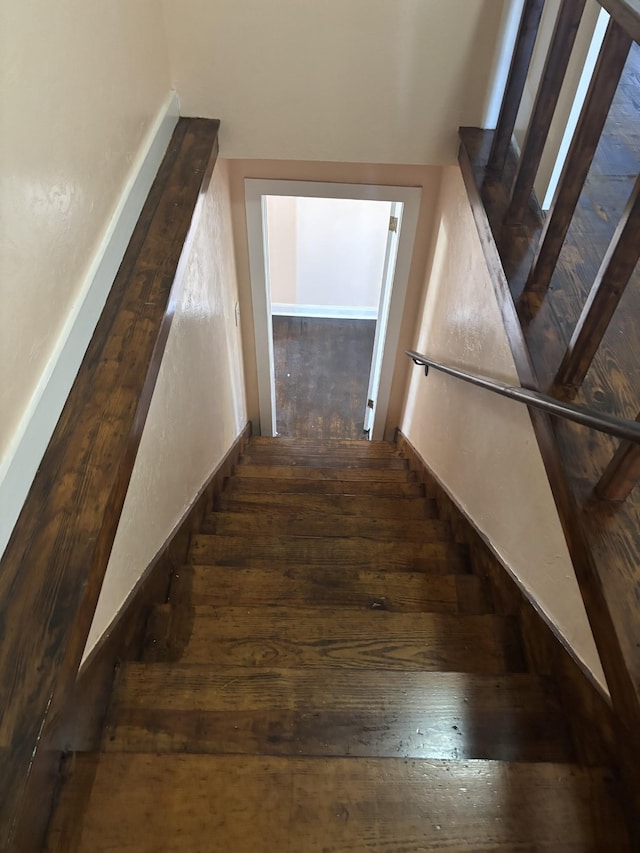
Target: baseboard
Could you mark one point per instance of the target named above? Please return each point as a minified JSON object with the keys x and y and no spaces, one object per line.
{"x":36,"y":427}
{"x":82,"y":726}
{"x":588,"y":706}
{"x":330,"y":312}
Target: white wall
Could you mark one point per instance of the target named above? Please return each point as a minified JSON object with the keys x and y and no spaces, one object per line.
{"x":483,"y":447}
{"x":334,"y":248}
{"x":358,"y":81}
{"x":82,"y":85}
{"x":197,"y":410}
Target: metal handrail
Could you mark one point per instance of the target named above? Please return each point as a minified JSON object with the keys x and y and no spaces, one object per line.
{"x":618,"y":427}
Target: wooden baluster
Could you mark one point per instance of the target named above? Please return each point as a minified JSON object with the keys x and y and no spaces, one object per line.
{"x":555,"y":68}
{"x":615,"y":271}
{"x":609,"y":68}
{"x":527,"y":33}
{"x":621,"y":474}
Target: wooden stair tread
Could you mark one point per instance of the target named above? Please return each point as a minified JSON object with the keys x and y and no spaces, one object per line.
{"x":369,"y":488}
{"x":303,"y":472}
{"x":347,"y":587}
{"x":359,"y":505}
{"x":264,"y":551}
{"x":192,"y":708}
{"x":275,"y":804}
{"x":299,"y":522}
{"x":344,"y":461}
{"x":336,"y":637}
{"x":322,"y":446}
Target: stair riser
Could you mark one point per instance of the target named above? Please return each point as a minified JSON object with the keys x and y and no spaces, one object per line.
{"x":298,"y":523}
{"x":373,"y":488}
{"x":343,"y":505}
{"x":300,"y":586}
{"x":344,"y":462}
{"x":345,"y":475}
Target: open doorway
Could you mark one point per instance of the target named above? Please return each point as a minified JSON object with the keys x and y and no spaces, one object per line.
{"x":295,"y":284}
{"x":326,"y":267}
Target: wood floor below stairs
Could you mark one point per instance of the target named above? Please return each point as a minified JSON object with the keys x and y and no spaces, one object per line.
{"x":329,"y":675}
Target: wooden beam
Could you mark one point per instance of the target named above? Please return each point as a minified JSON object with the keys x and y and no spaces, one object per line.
{"x":527,"y":33}
{"x":611,"y":281}
{"x":626,"y":13}
{"x":621,"y":474}
{"x":52,"y":569}
{"x":609,"y":68}
{"x":564,"y":36}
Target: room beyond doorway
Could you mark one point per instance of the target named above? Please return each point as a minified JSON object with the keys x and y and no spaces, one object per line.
{"x":321,"y":390}
{"x":405,"y":203}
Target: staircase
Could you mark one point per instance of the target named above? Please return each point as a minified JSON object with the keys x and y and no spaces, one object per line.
{"x":329,"y":675}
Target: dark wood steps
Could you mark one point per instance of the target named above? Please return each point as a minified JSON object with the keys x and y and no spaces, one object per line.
{"x":267,"y":551}
{"x":336,"y":637}
{"x":331,"y":447}
{"x":292,"y":522}
{"x":364,"y":506}
{"x":380,"y":487}
{"x":328,"y":674}
{"x":334,"y":586}
{"x":264,"y":804}
{"x":346,"y":462}
{"x":193,"y":708}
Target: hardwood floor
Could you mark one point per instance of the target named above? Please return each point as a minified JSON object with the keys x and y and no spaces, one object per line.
{"x":613,"y":382}
{"x":322,"y":373}
{"x":297,"y":693}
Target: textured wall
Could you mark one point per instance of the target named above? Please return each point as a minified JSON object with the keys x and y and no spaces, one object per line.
{"x":81,"y":83}
{"x":361,"y":81}
{"x":197,"y":411}
{"x":483,"y":447}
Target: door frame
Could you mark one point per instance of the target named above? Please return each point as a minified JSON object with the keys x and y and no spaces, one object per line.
{"x":255,"y":191}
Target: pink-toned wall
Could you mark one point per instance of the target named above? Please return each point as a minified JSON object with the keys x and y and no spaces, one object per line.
{"x":198,"y":407}
{"x":483,"y":447}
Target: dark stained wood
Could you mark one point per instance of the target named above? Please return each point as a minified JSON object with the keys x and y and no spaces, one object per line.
{"x":290,"y":522}
{"x":308,"y":486}
{"x":555,"y":68}
{"x":343,"y":505}
{"x":314,"y":460}
{"x":626,"y":13}
{"x":607,"y":73}
{"x":309,"y":586}
{"x":52,"y":569}
{"x":622,"y":474}
{"x":339,"y":804}
{"x":613,"y":628}
{"x":80,"y":724}
{"x":613,"y":276}
{"x":337,"y":637}
{"x":321,"y":376}
{"x":356,"y":551}
{"x":523,"y":51}
{"x":341,"y":473}
{"x":190,"y":708}
{"x":322,"y":447}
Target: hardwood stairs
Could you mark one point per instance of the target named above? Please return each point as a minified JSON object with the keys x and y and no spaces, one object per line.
{"x":329,"y":675}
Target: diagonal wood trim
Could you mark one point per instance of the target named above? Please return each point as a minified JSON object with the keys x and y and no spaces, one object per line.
{"x":626,"y":13}
{"x":605,"y":627}
{"x":52,"y":569}
{"x":621,"y":474}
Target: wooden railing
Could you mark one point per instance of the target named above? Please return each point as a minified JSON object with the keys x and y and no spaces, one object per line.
{"x":624,"y":250}
{"x":52,"y":570}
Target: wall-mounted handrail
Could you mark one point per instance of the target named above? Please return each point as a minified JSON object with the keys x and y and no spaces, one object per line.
{"x":618,"y":427}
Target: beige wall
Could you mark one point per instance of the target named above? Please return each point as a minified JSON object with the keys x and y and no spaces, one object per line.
{"x":75,"y":104}
{"x":197,"y":410}
{"x":483,"y":447}
{"x":427,"y":177}
{"x":358,"y":81}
